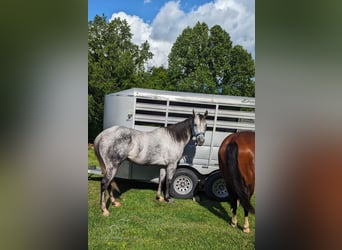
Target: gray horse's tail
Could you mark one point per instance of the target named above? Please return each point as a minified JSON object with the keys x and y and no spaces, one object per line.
{"x":115,"y":186}
{"x":98,"y":154}
{"x":101,"y":162}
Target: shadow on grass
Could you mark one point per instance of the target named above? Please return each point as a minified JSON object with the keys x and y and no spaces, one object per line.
{"x":125,"y":185}
{"x":215,"y":207}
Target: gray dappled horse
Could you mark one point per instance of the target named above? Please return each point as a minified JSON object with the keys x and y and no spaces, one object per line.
{"x":163,"y":146}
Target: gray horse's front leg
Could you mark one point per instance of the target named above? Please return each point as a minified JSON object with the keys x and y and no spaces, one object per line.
{"x":170,"y":171}
{"x":162,"y":175}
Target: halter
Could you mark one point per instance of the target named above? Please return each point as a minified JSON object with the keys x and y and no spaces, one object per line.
{"x":193,"y":133}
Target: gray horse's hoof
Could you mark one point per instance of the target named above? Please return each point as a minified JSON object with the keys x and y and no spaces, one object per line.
{"x":160,"y":199}
{"x":171,"y":201}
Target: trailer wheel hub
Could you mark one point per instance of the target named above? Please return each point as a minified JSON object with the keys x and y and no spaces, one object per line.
{"x":183,"y":184}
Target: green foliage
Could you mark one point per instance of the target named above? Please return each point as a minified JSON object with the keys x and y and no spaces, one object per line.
{"x":203,"y":60}
{"x":198,"y":81}
{"x":114,"y":63}
{"x":188,"y":69}
{"x":156,"y":78}
{"x":239,"y":81}
{"x":92,"y":160}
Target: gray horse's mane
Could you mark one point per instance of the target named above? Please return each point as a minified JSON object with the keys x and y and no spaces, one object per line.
{"x":180,"y":131}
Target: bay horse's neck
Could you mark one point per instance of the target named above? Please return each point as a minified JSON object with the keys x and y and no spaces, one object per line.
{"x":182,"y":131}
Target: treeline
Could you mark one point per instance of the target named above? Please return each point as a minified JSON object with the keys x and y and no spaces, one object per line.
{"x":202,"y":60}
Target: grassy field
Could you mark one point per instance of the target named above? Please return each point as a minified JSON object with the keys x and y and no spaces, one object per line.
{"x":144,"y":223}
{"x":91,"y":157}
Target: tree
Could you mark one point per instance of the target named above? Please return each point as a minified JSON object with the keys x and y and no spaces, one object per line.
{"x":203,"y":60}
{"x":239,"y":80}
{"x":156,"y":78}
{"x":114,"y":63}
{"x":188,"y":67}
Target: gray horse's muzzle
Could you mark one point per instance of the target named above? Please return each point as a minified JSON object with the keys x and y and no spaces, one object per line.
{"x":199,"y":138}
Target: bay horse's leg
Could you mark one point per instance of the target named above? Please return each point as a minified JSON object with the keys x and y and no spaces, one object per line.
{"x":170,"y":171}
{"x":162,"y":175}
{"x":246,"y":224}
{"x":234,"y":204}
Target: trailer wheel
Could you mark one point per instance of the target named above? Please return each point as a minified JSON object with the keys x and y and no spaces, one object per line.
{"x":215,"y":187}
{"x":183,"y":184}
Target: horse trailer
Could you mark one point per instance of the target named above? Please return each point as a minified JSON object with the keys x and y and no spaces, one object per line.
{"x":198,"y":169}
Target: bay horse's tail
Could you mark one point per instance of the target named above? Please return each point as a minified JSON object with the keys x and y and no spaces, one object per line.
{"x":236,"y":177}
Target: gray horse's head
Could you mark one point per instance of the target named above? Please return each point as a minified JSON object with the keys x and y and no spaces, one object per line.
{"x":199,"y":127}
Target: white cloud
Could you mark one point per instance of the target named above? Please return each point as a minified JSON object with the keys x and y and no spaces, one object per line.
{"x":237,"y":17}
{"x":141,"y":31}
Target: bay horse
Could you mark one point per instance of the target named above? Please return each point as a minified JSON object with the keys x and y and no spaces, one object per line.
{"x":236,"y":160}
{"x":162,"y":146}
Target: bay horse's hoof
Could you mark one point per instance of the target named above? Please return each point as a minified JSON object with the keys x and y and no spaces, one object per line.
{"x":247,"y":230}
{"x":234,"y":221}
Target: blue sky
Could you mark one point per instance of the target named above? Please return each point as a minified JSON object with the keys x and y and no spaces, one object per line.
{"x":160,"y":22}
{"x":147,"y":9}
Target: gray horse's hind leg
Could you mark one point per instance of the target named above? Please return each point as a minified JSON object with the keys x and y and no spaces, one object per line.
{"x":110,"y":192}
{"x":105,"y":185}
{"x":170,"y":171}
{"x":162,"y":175}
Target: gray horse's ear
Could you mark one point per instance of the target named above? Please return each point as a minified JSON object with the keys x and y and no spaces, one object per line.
{"x":206,"y":113}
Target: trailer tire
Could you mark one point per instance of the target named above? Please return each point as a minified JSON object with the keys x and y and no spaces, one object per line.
{"x":215,"y":187}
{"x":183,"y":184}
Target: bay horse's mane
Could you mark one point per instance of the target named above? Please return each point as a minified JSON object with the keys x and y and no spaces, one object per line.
{"x":180,"y":131}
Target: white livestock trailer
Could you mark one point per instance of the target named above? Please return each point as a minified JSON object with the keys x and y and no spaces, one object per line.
{"x":146,"y":109}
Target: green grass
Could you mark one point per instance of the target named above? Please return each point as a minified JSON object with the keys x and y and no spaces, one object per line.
{"x":91,"y":156}
{"x":144,"y":223}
